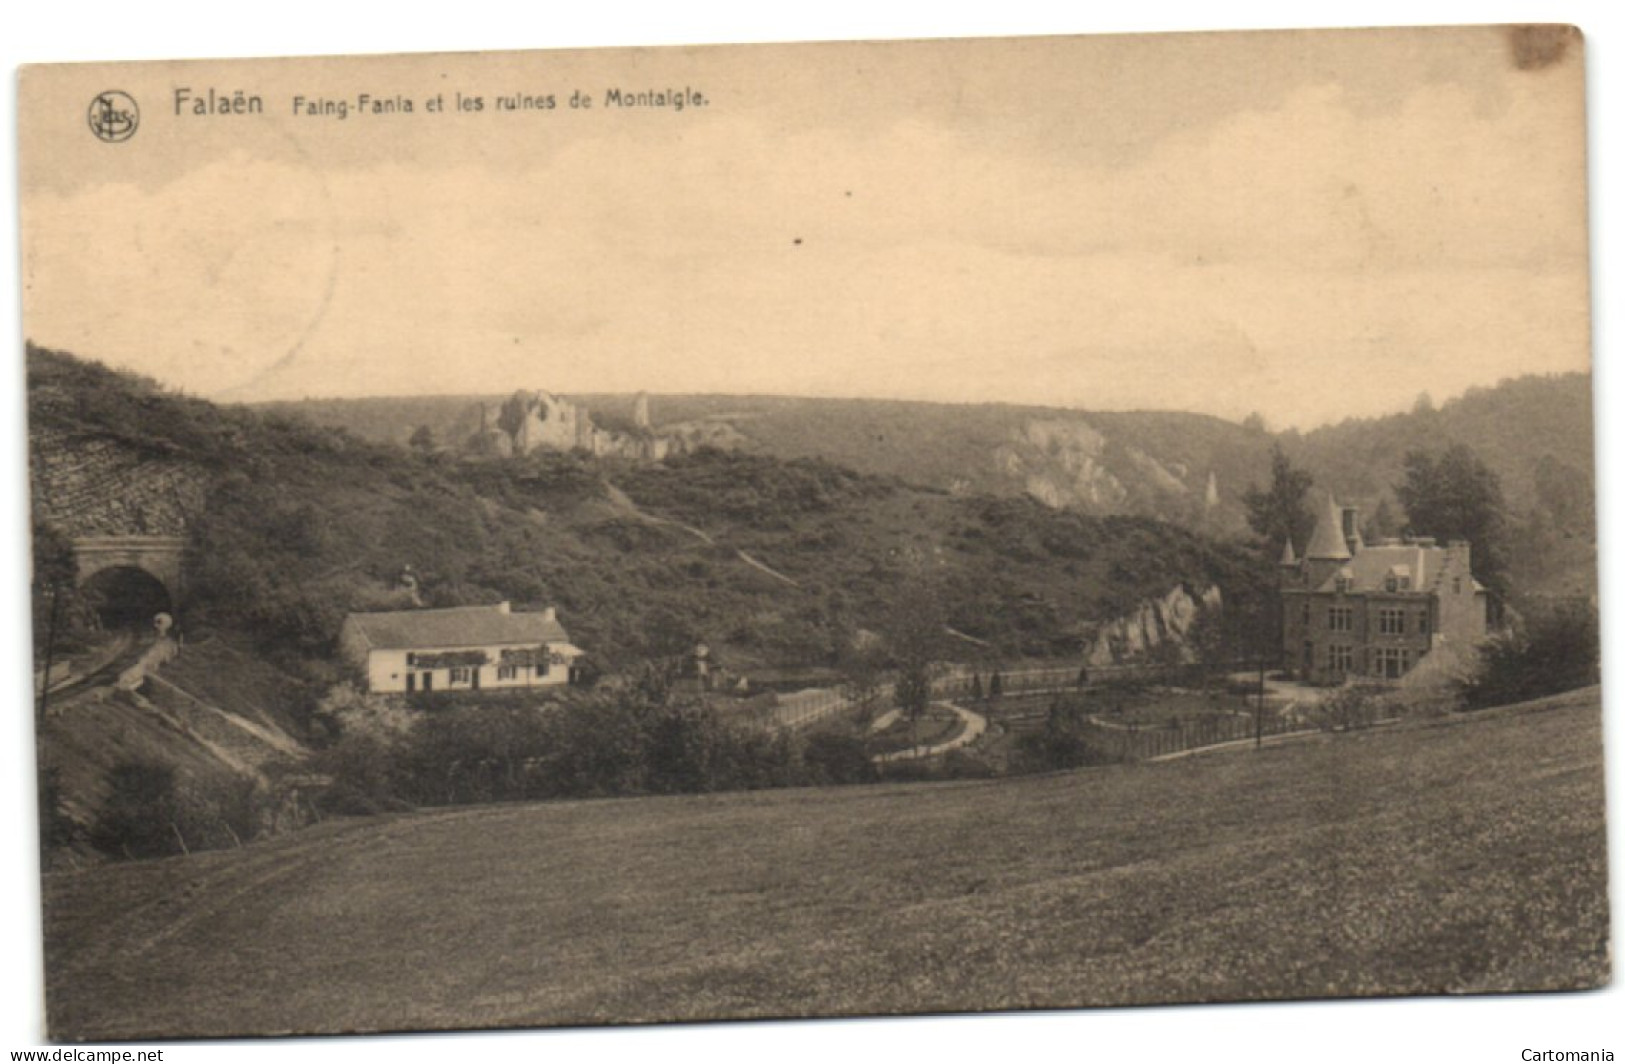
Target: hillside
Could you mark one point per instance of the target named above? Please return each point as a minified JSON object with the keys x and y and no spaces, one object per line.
{"x":1147,"y":464}
{"x":1535,"y":433}
{"x":1190,"y":469}
{"x":774,"y":561}
{"x":1463,"y":857}
{"x":225,"y":722}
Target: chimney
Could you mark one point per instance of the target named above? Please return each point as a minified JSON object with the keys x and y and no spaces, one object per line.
{"x":549,"y":614}
{"x":1351,"y":529}
{"x":503,"y":607}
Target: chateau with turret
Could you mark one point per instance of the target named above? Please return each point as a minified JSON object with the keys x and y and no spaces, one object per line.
{"x":1350,"y":609}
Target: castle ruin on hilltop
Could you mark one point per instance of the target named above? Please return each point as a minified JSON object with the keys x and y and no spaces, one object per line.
{"x":528,"y":422}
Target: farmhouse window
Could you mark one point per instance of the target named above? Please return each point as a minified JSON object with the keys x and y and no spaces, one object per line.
{"x":460,"y":675}
{"x":1391,"y":622}
{"x":507,"y":672}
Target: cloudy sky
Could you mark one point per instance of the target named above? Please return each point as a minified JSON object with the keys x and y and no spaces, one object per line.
{"x":1309,"y":225}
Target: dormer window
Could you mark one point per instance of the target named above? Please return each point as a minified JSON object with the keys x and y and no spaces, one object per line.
{"x":1344,"y":585}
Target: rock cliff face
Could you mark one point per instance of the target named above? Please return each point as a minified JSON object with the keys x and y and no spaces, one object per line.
{"x":1061,"y":463}
{"x":540,"y":421}
{"x":1153,"y":623}
{"x":1070,"y":463}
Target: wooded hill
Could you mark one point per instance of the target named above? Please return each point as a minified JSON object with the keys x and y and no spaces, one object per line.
{"x":775,"y":562}
{"x":1534,"y":432}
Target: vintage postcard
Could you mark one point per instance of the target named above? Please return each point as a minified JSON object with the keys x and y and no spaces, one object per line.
{"x":628,"y":536}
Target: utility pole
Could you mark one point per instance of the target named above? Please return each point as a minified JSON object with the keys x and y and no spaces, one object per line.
{"x":1258,"y":709}
{"x":50,"y":652}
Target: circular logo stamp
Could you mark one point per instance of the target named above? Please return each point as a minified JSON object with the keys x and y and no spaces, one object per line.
{"x":114,"y":116}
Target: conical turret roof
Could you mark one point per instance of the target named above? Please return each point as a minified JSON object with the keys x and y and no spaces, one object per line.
{"x":1327,"y":543}
{"x":1287,"y":556}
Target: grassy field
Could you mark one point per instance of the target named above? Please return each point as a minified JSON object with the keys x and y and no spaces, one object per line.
{"x":1459,"y":857}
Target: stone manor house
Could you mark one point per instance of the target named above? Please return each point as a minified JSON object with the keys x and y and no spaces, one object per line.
{"x":1349,"y":608}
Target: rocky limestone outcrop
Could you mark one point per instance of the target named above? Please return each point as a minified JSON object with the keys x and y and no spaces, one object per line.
{"x":1153,"y":623}
{"x":1068,"y":463}
{"x":1061,"y":463}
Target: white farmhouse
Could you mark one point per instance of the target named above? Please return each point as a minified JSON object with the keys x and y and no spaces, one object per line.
{"x":466,"y":648}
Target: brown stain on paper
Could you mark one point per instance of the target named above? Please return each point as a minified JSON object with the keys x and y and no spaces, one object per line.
{"x":1538,"y":47}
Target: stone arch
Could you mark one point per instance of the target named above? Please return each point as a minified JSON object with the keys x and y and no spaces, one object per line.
{"x":125,"y":596}
{"x":131,"y":573}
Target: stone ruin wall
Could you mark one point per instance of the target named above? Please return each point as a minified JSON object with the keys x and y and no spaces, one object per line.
{"x":533,"y":421}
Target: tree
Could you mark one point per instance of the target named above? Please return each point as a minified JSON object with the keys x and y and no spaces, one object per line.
{"x":141,"y":815}
{"x":58,"y":607}
{"x":1456,"y":496}
{"x":1210,"y":640}
{"x":423,"y":440}
{"x":1383,"y":523}
{"x":860,"y":666}
{"x":1066,"y":740}
{"x":914,"y":634}
{"x":1281,"y":511}
{"x":1555,"y":649}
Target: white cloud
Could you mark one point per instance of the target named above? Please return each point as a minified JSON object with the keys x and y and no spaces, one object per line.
{"x":1310,"y":260}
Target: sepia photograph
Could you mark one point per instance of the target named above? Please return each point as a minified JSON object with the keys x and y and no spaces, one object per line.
{"x":622,"y":536}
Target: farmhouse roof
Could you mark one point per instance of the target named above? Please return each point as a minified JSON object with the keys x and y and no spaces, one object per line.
{"x":460,"y":626}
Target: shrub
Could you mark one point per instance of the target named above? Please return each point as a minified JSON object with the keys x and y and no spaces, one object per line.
{"x":139,"y":817}
{"x":150,"y":812}
{"x":835,"y":758}
{"x":56,"y":828}
{"x":1554,"y":650}
{"x":1347,"y":708}
{"x":1064,"y":741}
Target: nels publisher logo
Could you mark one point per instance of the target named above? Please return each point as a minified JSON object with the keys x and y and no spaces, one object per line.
{"x":114,"y":116}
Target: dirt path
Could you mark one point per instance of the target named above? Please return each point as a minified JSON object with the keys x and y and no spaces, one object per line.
{"x":975,"y":725}
{"x":623,"y":502}
{"x":764,"y":567}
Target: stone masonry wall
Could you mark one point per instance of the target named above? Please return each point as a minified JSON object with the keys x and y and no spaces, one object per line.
{"x":95,"y":486}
